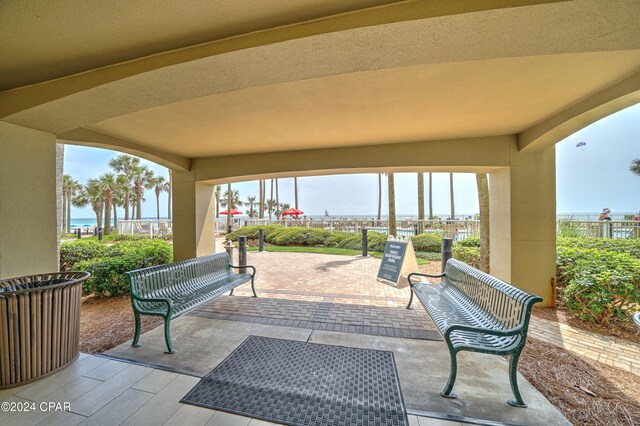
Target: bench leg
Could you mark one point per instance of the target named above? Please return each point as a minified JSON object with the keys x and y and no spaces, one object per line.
{"x":513,"y":378}
{"x":231,"y":294}
{"x":136,"y":335}
{"x":410,"y":299}
{"x":253,"y":288}
{"x":453,"y":371}
{"x":167,"y":336}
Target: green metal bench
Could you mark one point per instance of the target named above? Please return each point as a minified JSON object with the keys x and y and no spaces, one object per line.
{"x":476,"y":312}
{"x":173,"y":289}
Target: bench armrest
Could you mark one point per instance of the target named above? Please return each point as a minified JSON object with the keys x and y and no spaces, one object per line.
{"x":154,"y":300}
{"x":418,"y":274}
{"x":246,"y":266}
{"x":480,"y":330}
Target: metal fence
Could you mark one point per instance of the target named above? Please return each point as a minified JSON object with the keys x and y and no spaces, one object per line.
{"x":150,"y":227}
{"x":596,"y":228}
{"x":456,"y":229}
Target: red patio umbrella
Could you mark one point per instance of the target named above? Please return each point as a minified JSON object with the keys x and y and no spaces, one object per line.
{"x":292,"y":211}
{"x":233,"y":212}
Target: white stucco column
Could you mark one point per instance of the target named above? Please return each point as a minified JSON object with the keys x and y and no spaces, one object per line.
{"x":523,"y":222}
{"x":193,"y":217}
{"x":28,"y":209}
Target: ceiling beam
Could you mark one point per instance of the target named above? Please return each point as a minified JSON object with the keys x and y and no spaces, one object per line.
{"x":468,"y":155}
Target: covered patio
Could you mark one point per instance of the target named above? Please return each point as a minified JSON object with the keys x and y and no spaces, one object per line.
{"x":324,"y":299}
{"x":227,"y":92}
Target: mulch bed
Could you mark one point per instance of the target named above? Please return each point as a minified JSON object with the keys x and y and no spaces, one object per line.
{"x":586,"y":392}
{"x":107,"y":322}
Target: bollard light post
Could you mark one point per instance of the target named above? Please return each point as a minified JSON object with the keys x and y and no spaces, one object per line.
{"x":365,"y":243}
{"x":261,"y":240}
{"x":99,"y":234}
{"x":447,"y":251}
{"x":79,"y":232}
{"x":242,"y":254}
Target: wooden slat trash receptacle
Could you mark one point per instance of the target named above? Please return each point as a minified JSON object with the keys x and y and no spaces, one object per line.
{"x":39,"y":325}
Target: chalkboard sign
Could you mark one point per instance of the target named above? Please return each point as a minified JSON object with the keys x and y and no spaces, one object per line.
{"x":392,"y":260}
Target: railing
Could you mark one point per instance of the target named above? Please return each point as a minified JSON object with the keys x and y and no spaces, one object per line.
{"x":150,"y":227}
{"x":596,"y":228}
{"x":456,"y":229}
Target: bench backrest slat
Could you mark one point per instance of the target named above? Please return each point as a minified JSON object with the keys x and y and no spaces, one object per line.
{"x":163,"y":280}
{"x":501,"y":301}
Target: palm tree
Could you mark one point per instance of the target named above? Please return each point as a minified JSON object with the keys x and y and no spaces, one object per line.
{"x":270,"y":204}
{"x":261,"y":200}
{"x":230,"y":200}
{"x":295,"y":191}
{"x":453,"y":208}
{"x":379,"y":196}
{"x":118,"y":198}
{"x":420,"y":201}
{"x":217,"y":194}
{"x":105,"y":186}
{"x":430,"y":196}
{"x":635,"y":167}
{"x":278,"y":211}
{"x":285,"y":206}
{"x":159,"y":185}
{"x":89,"y":194}
{"x":483,"y":200}
{"x":124,"y":165}
{"x":169,"y":193}
{"x":142,"y":178}
{"x":271,"y":200}
{"x":392,"y":204}
{"x":69,"y":189}
{"x":250,"y":201}
{"x":229,"y":207}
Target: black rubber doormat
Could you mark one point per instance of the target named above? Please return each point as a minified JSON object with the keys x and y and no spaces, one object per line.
{"x":300,"y":383}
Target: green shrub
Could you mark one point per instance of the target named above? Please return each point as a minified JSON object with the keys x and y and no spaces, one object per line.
{"x":108,"y":271}
{"x":72,"y":252}
{"x":427,"y":242}
{"x":336,"y":238}
{"x":630,"y":246}
{"x":375,"y":241}
{"x":468,"y":255}
{"x":600,"y":284}
{"x":298,"y":236}
{"x":469,"y":242}
{"x":600,"y":277}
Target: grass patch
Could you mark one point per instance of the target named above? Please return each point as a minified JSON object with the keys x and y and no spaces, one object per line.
{"x":324,"y":250}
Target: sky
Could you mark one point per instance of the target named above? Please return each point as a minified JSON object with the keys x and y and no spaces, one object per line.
{"x":589,"y":178}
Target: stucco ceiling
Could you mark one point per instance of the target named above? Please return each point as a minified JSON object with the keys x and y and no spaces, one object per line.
{"x":490,"y":72}
{"x":426,"y":102}
{"x":42,"y":40}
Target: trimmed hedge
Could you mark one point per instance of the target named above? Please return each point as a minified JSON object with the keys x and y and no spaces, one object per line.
{"x":109,"y":265}
{"x":427,"y":242}
{"x":468,"y":255}
{"x":72,"y":252}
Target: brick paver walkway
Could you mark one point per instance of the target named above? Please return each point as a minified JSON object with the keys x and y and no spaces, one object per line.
{"x":340,"y":293}
{"x":608,"y":350}
{"x":322,"y":292}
